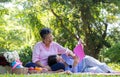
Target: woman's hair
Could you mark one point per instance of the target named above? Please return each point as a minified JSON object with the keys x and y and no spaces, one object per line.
{"x":44,"y":32}
{"x":52,"y":60}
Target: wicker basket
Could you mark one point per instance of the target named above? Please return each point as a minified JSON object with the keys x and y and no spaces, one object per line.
{"x":34,"y":72}
{"x":5,"y":69}
{"x":20,"y":71}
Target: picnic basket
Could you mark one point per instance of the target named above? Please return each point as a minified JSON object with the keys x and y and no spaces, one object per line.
{"x":20,"y":71}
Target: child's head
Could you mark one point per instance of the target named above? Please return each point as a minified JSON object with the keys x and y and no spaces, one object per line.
{"x":53,"y":59}
{"x":54,"y":62}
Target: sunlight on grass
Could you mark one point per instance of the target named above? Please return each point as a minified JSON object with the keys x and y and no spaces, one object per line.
{"x":59,"y":75}
{"x":114,"y":66}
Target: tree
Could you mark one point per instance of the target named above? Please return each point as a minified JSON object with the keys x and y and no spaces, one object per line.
{"x":5,"y":0}
{"x":113,"y":53}
{"x":13,"y":36}
{"x":85,"y":19}
{"x":70,"y":20}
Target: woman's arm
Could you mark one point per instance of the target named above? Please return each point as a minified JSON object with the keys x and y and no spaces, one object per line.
{"x":70,"y":53}
{"x":63,"y":50}
{"x":39,"y":64}
{"x":47,"y":67}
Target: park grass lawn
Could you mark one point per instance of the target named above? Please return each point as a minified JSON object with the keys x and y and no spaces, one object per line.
{"x":60,"y":75}
{"x":115,"y":66}
{"x":112,"y":65}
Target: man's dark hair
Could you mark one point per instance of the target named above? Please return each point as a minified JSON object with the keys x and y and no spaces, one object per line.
{"x":44,"y":32}
{"x":52,"y":60}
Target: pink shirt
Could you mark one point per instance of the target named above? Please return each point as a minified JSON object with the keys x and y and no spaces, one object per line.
{"x":41,"y":53}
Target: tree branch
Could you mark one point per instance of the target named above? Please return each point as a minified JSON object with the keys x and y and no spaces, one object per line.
{"x":61,"y":21}
{"x":105,"y":31}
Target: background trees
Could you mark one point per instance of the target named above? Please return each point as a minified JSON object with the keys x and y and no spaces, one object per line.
{"x":86,"y":19}
{"x":70,"y":20}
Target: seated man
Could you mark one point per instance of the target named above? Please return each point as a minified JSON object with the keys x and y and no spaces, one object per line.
{"x":88,"y":64}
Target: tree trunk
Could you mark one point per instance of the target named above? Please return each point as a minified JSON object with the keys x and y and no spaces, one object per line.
{"x":93,"y":41}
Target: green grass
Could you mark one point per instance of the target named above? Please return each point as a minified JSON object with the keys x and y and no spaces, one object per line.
{"x":112,"y":65}
{"x":115,"y":66}
{"x":59,"y":75}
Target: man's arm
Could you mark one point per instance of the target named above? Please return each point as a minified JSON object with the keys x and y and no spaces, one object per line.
{"x":74,"y":67}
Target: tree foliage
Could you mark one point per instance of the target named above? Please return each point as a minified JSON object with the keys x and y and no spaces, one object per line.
{"x":113,"y":53}
{"x":5,"y":0}
{"x":69,"y":20}
{"x":85,"y":19}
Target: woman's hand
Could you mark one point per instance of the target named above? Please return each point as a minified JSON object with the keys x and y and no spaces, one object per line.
{"x":71,"y":54}
{"x":47,"y":68}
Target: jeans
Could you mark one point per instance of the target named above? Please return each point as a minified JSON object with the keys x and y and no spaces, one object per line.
{"x":90,"y":64}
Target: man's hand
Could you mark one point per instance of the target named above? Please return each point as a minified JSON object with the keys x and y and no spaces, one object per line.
{"x":76,"y":61}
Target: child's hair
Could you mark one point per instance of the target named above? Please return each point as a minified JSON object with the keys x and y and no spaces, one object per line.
{"x":52,"y":60}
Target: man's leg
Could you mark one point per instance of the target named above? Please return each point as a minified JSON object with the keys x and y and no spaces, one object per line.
{"x":89,"y":61}
{"x":94,"y":70}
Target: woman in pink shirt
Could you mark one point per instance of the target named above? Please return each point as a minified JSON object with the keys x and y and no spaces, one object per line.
{"x":46,"y":48}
